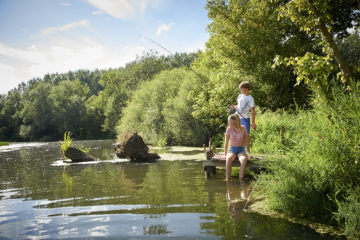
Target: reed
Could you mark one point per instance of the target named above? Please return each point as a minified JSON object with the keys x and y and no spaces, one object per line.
{"x":66,"y":143}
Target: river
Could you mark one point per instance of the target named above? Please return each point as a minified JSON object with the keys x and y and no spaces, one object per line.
{"x":41,"y":197}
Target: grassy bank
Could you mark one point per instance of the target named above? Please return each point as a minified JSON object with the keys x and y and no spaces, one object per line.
{"x":4,"y":143}
{"x":317,"y":177}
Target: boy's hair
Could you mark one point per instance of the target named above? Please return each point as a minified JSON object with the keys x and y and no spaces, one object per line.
{"x":245,"y":84}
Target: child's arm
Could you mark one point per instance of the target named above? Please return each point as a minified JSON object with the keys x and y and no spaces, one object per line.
{"x":253,"y":125}
{"x":227,"y":137}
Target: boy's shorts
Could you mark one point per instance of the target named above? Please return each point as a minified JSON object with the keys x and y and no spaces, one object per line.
{"x":236,"y":150}
{"x":246,"y":123}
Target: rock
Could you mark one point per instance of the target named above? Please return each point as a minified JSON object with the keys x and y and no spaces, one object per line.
{"x":76,"y":155}
{"x":134,"y":147}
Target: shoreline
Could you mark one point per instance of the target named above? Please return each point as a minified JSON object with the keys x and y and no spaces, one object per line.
{"x":4,"y":143}
{"x":259,"y":205}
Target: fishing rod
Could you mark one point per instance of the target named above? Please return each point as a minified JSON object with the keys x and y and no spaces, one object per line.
{"x":197,"y":74}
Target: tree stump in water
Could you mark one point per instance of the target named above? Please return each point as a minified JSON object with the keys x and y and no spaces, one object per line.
{"x":134,"y":147}
{"x":211,"y":152}
{"x":76,"y":155}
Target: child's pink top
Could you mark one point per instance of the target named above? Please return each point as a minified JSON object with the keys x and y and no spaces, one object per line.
{"x":236,"y":138}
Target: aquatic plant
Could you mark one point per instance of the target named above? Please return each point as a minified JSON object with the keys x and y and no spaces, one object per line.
{"x":66,"y":143}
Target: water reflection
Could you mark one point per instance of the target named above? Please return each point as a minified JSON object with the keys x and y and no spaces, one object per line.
{"x":120,"y":199}
{"x":67,"y":180}
{"x":237,"y":197}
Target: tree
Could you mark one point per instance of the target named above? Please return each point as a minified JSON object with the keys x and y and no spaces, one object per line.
{"x":119,"y":84}
{"x":69,"y":110}
{"x":10,"y":120}
{"x":326,"y":19}
{"x":37,"y":112}
{"x":161,"y":112}
{"x":245,"y":37}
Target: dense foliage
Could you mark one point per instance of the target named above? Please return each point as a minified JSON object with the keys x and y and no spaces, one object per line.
{"x":87,"y":103}
{"x":161,"y":111}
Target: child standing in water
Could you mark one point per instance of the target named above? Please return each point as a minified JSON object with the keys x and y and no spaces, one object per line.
{"x":239,"y":137}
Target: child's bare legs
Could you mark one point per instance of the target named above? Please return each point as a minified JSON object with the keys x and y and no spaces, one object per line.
{"x":243,"y":161}
{"x":229,"y":160}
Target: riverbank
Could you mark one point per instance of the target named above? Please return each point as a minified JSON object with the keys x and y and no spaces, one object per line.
{"x":4,"y":143}
{"x":259,"y":205}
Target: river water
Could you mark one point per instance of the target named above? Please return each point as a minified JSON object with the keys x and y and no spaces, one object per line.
{"x":43,"y":198}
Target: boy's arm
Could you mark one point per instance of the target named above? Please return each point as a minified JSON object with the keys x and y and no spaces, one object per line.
{"x":253,"y":125}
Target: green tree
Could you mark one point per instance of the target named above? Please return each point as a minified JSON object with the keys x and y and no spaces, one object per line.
{"x":69,"y":110}
{"x":119,"y":84}
{"x":37,"y":112}
{"x":245,"y":36}
{"x":326,"y":19}
{"x":160,"y":110}
{"x":10,"y":119}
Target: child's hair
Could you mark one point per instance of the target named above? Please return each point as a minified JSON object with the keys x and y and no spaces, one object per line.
{"x":245,"y":84}
{"x":236,"y":118}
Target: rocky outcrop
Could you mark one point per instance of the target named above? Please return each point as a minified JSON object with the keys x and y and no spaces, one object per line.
{"x":76,"y":155}
{"x":134,"y":147}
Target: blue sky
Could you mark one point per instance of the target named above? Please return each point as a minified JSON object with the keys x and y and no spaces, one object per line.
{"x":48,"y":36}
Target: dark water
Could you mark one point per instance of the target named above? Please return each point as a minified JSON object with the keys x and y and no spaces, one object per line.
{"x":42,"y":198}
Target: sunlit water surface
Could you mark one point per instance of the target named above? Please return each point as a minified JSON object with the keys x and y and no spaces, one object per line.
{"x":41,"y":197}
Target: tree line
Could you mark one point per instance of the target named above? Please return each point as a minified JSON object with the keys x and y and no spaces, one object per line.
{"x":87,"y":103}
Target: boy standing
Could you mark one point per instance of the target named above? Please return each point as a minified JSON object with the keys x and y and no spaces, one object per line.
{"x":245,"y":103}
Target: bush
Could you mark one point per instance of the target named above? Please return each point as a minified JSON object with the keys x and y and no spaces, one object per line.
{"x":349,"y":212}
{"x":321,"y":161}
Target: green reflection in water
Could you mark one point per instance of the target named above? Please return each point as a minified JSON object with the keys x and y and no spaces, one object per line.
{"x":159,"y":195}
{"x":67,"y":180}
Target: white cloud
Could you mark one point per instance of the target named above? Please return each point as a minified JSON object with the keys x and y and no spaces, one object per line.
{"x":65,"y":4}
{"x":164,"y":28}
{"x":65,"y":27}
{"x":121,"y":9}
{"x":97,"y":12}
{"x":18,"y":65}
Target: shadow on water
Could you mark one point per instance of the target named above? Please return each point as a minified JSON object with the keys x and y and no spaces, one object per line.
{"x":120,"y":199}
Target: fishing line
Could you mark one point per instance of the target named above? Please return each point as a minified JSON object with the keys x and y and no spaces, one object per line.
{"x":206,"y":82}
{"x":197,"y":74}
{"x":252,"y":190}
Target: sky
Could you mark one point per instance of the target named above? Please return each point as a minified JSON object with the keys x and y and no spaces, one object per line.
{"x":48,"y":36}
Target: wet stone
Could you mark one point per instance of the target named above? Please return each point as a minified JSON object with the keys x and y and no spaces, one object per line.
{"x":134,"y":147}
{"x":76,"y":155}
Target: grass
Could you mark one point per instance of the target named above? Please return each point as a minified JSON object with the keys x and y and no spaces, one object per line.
{"x":4,"y":143}
{"x":318,"y":175}
{"x":66,"y":143}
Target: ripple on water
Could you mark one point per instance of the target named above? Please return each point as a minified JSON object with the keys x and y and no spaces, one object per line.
{"x":17,"y":146}
{"x":61,"y":162}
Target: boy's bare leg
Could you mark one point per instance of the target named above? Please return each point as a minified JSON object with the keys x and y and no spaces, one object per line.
{"x":229,"y":160}
{"x":243,"y":161}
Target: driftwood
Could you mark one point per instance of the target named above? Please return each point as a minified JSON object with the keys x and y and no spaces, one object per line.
{"x":76,"y":155}
{"x":134,"y":147}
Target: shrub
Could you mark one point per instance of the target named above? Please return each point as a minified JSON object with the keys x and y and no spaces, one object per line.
{"x":320,"y":162}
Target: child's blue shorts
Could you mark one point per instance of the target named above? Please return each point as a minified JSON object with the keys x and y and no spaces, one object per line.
{"x":236,"y":150}
{"x":246,"y":123}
